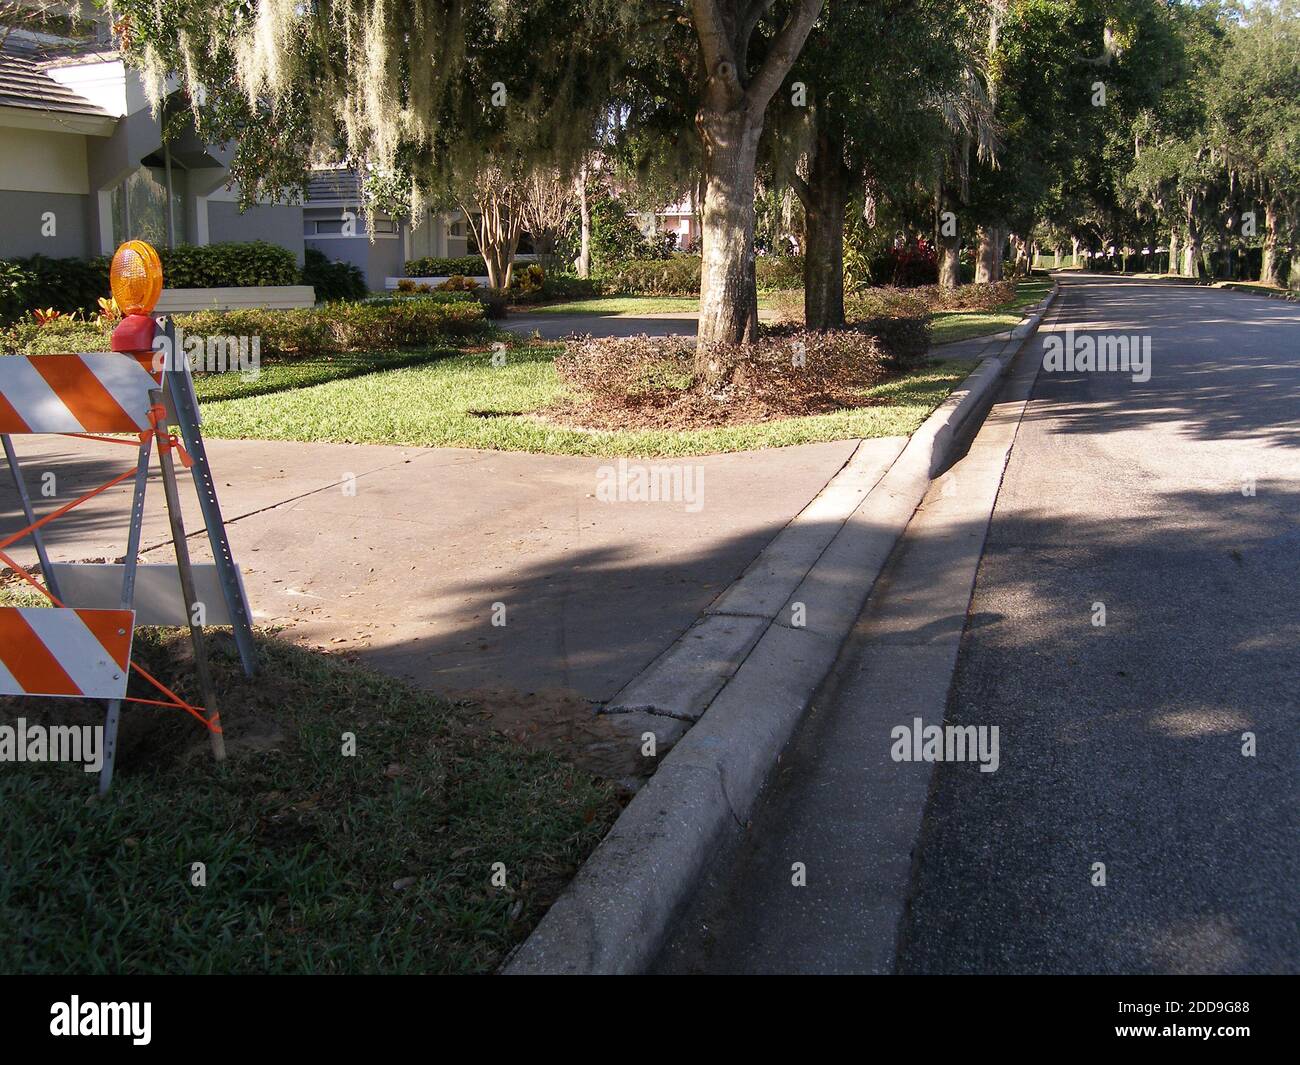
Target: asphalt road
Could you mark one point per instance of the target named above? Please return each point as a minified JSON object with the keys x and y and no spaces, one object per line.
{"x":1123,"y":744}
{"x":1173,"y":501}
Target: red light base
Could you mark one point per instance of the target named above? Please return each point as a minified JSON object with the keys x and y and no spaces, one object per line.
{"x":134,"y":334}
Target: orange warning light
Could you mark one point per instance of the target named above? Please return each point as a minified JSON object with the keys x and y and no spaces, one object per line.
{"x":136,"y":277}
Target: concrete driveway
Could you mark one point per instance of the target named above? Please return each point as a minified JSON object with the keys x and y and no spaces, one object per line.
{"x":399,"y":554}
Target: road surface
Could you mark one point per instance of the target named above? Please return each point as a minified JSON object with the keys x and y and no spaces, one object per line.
{"x":1174,"y":504}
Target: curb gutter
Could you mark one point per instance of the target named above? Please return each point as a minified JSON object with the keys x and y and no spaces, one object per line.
{"x":754,"y":670}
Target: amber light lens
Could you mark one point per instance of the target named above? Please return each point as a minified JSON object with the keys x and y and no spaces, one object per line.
{"x":136,"y":277}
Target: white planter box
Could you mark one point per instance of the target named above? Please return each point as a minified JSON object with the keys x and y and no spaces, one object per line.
{"x":279,"y":297}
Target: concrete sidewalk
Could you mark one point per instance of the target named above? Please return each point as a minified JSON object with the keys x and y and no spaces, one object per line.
{"x":399,"y":554}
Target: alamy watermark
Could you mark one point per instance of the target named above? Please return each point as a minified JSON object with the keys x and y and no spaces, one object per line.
{"x":208,"y":353}
{"x":919,"y":742}
{"x":77,"y":1018}
{"x":1101,"y":353}
{"x":633,"y":482}
{"x":21,"y":742}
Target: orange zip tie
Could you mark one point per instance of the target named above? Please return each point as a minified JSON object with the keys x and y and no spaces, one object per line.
{"x":157,"y":417}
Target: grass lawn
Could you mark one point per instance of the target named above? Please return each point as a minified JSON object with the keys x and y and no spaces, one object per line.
{"x":948,"y":326}
{"x":315,"y":862}
{"x":301,"y":373}
{"x":463,"y":400}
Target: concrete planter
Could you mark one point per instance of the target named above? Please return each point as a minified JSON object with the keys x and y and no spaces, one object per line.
{"x":276,"y":297}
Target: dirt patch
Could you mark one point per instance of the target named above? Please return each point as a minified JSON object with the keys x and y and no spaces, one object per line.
{"x":646,"y":382}
{"x":563,"y":722}
{"x":690,"y":411}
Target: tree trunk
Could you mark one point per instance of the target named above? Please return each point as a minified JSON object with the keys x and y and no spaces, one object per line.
{"x":988,"y":256}
{"x":1293,"y":278}
{"x":728,"y":294}
{"x":1270,"y":272}
{"x":948,"y":238}
{"x":1192,"y":253}
{"x":825,"y":196}
{"x":729,"y":123}
{"x":584,"y":215}
{"x":1172,"y":266}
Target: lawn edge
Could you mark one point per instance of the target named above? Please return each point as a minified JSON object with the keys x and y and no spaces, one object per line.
{"x":618,"y":910}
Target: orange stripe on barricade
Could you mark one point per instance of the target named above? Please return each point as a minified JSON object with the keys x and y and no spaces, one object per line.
{"x":82,"y":393}
{"x":197,"y":712}
{"x":11,"y":422}
{"x":105,"y":629}
{"x":32,"y":664}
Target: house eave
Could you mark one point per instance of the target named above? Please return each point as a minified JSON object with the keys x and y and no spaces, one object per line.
{"x":18,"y":117}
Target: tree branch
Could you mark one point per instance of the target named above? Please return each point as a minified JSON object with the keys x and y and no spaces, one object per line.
{"x":801,"y":189}
{"x":715,"y":44}
{"x":785,"y":50}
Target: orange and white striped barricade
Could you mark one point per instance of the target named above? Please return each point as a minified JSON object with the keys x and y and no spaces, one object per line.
{"x":81,"y":648}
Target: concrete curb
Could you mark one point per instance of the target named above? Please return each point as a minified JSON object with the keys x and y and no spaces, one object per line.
{"x":755,"y":671}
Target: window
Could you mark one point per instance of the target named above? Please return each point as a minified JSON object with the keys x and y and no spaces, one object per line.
{"x":140,"y":207}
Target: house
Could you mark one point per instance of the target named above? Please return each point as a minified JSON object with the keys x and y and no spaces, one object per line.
{"x":681,"y":219}
{"x":84,"y":166}
{"x":333,"y":225}
{"x":83,"y":163}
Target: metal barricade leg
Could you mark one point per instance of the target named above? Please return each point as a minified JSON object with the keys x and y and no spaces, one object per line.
{"x":46,"y":570}
{"x":187,"y":583}
{"x":129,"y":563}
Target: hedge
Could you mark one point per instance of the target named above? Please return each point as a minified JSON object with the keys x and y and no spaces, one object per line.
{"x":679,"y":275}
{"x":431,"y":266}
{"x":329,"y":329}
{"x":231,"y":264}
{"x":77,"y":284}
{"x":332,"y":280}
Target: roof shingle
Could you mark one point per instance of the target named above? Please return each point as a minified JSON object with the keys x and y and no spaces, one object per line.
{"x":24,"y":84}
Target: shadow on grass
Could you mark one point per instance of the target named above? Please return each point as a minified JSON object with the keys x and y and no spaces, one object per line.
{"x":286,"y":374}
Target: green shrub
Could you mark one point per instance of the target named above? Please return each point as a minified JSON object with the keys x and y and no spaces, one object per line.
{"x":431,"y":266}
{"x":64,"y":335}
{"x":77,"y":284}
{"x":778,"y":272}
{"x":569,"y":287}
{"x":328,"y":329}
{"x":678,"y":275}
{"x":616,"y":238}
{"x":14,"y":282}
{"x":228,"y":265}
{"x":65,"y":284}
{"x":457,"y":283}
{"x":430,"y":295}
{"x":332,"y":280}
{"x":336,"y":328}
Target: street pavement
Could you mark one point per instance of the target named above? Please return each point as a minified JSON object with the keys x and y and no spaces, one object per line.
{"x":1174,"y":503}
